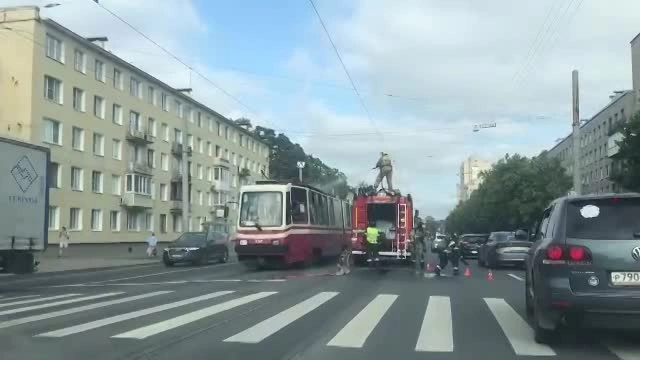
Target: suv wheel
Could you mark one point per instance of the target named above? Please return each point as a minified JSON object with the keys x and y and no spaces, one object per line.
{"x":541,"y":335}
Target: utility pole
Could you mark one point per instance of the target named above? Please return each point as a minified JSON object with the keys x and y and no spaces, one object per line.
{"x":184,"y":182}
{"x":577,"y":178}
{"x":300,"y":165}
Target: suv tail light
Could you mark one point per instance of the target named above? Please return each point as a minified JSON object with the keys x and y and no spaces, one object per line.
{"x":564,"y":254}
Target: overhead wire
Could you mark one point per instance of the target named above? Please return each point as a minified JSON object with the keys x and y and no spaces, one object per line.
{"x":341,"y":61}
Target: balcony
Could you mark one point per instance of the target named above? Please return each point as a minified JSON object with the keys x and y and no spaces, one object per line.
{"x":136,"y":200}
{"x":221,"y":162}
{"x":139,"y":136}
{"x":177,"y":207}
{"x":139,"y":167}
{"x":177,"y":149}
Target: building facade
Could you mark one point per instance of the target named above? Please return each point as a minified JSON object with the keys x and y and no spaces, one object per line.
{"x":117,"y":137}
{"x":634,"y":52}
{"x":597,"y":136}
{"x":469,"y":176}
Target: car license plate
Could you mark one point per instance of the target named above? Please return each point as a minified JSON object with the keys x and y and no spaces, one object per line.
{"x":625,"y":278}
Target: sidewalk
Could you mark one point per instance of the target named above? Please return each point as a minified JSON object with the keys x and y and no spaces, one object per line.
{"x":78,"y":257}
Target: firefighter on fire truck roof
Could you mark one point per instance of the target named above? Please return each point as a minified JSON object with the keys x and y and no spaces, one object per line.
{"x":384,"y":166}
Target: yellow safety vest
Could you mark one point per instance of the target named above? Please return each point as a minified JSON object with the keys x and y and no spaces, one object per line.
{"x":372,"y":235}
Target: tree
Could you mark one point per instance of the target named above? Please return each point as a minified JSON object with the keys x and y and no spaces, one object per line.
{"x":244,"y":122}
{"x":512,"y":195}
{"x":626,"y":169}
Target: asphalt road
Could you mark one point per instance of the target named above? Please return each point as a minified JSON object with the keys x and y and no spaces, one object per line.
{"x":230,"y":312}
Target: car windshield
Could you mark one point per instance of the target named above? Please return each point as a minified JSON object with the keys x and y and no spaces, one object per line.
{"x":603,"y":219}
{"x":192,"y":239}
{"x":474,"y":239}
{"x":261,"y":209}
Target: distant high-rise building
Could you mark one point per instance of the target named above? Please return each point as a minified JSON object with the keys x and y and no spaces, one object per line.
{"x":470,"y":176}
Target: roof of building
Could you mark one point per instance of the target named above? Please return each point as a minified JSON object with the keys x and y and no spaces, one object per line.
{"x":173,"y":91}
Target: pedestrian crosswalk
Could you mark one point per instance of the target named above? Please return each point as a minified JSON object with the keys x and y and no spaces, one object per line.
{"x":434,"y":327}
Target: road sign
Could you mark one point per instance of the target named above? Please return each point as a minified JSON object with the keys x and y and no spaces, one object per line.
{"x":300,"y":164}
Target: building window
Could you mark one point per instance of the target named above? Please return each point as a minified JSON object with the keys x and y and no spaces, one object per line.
{"x":99,"y":107}
{"x":54,"y":175}
{"x":191,"y":142}
{"x":209,"y":174}
{"x":53,"y":218}
{"x":135,"y":87}
{"x":98,"y":144}
{"x":134,"y":120}
{"x":116,"y":149}
{"x":164,"y":161}
{"x":152,"y":127}
{"x":151,"y":158}
{"x":117,"y":114}
{"x":116,"y":185}
{"x":164,"y":128}
{"x":178,"y":136}
{"x":75,"y":219}
{"x":132,"y":221}
{"x":200,"y":145}
{"x":164,"y":102}
{"x":163,"y":223}
{"x":200,"y":172}
{"x":53,"y":89}
{"x":78,"y":139}
{"x":151,"y":95}
{"x":177,"y":223}
{"x":149,"y":221}
{"x":54,"y":49}
{"x":200,"y":198}
{"x":218,"y":151}
{"x":179,"y":108}
{"x":209,"y":148}
{"x":200,"y":224}
{"x":99,"y":71}
{"x":76,"y":178}
{"x":97,"y":220}
{"x":97,"y":181}
{"x":163,"y":192}
{"x":218,"y":129}
{"x":138,"y":184}
{"x":199,"y":119}
{"x":115,"y":221}
{"x":227,"y":132}
{"x":79,"y":61}
{"x":117,"y":79}
{"x":78,"y":100}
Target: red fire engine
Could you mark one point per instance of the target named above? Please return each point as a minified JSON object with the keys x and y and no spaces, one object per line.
{"x":392,"y":214}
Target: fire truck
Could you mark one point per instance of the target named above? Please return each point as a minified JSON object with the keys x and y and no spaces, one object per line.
{"x":392,"y":214}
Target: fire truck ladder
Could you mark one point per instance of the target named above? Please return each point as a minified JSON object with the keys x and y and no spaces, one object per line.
{"x":401,"y":239}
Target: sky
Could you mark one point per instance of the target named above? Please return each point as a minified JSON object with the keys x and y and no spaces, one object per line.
{"x":426,"y":70}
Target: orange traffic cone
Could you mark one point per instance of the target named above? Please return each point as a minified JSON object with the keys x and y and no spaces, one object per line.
{"x":467,"y":272}
{"x":490,"y":275}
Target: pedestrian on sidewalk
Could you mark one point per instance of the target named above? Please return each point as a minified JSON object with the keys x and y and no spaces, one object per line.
{"x":152,"y":242}
{"x":64,"y":241}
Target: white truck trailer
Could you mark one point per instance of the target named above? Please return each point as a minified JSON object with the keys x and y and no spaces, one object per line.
{"x":23,"y":204}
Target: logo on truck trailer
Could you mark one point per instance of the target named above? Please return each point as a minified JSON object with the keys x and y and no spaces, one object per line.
{"x":24,"y":173}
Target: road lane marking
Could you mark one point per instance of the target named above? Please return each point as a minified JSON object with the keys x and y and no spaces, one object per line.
{"x":166,"y":283}
{"x":3,"y":299}
{"x":436,"y":334}
{"x":2,"y":305}
{"x":39,"y":317}
{"x":516,"y":330}
{"x":356,"y":332}
{"x":127,"y":316}
{"x":160,"y":273}
{"x":157,"y":328}
{"x":622,"y":350}
{"x":515,"y":277}
{"x":58,"y":303}
{"x":273,"y":324}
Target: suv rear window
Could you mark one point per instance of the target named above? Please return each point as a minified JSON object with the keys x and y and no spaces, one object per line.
{"x":603,"y":219}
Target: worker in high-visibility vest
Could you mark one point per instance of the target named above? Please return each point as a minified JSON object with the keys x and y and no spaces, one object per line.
{"x":373,"y":235}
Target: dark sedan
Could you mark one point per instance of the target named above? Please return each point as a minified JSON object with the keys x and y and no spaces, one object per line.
{"x":197,"y":248}
{"x":470,"y":244}
{"x":583,"y":268}
{"x":503,"y":248}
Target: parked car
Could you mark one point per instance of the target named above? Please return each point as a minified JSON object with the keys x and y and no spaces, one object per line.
{"x":198,"y":248}
{"x":583,"y":268}
{"x":470,"y":244}
{"x":502,"y":248}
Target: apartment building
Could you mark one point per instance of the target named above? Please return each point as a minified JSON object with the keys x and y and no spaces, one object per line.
{"x":469,"y":176}
{"x":116,"y":136}
{"x":634,"y":54}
